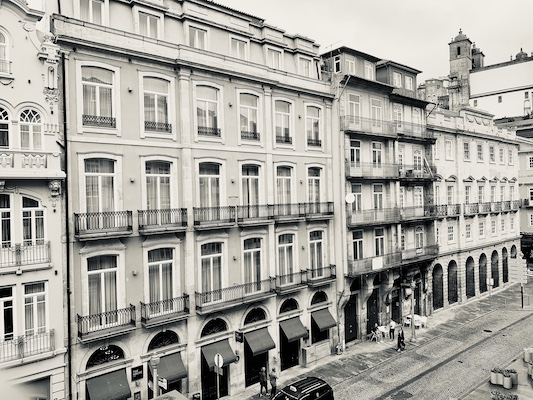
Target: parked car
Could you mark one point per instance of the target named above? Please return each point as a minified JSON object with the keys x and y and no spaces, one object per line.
{"x":309,"y":388}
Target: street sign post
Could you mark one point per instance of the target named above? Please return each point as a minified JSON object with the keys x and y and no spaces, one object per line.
{"x":162,"y":382}
{"x":219,"y":362}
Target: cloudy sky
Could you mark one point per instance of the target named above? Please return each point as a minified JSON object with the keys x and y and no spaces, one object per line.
{"x":412,"y":32}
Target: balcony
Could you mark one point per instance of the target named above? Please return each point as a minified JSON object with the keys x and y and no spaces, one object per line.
{"x":484,"y":208}
{"x":471,"y":209}
{"x":314,"y":142}
{"x":420,"y":253}
{"x":321,"y":276}
{"x":214,"y":217}
{"x":447,"y":210}
{"x":221,"y":299}
{"x":28,"y":164}
{"x":152,"y":126}
{"x":283,"y":139}
{"x":415,"y":173}
{"x":245,"y":135}
{"x":317,"y":211}
{"x":290,"y":283}
{"x":288,"y":212}
{"x":373,"y":127}
{"x":106,"y":324}
{"x":18,"y":255}
{"x":417,"y":213}
{"x":255,"y":215}
{"x":370,"y":170}
{"x":26,"y":346}
{"x":164,"y":311}
{"x":412,"y":130}
{"x":208,"y":131}
{"x":506,"y":205}
{"x":371,"y":217}
{"x":98,"y":121}
{"x":99,"y":225}
{"x":515,"y":205}
{"x":160,"y":221}
{"x":495,"y":207}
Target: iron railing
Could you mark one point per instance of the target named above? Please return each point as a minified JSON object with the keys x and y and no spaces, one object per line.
{"x":103,"y":222}
{"x":24,"y":254}
{"x":484,"y":208}
{"x":206,"y":215}
{"x":208,"y":131}
{"x":415,"y":212}
{"x":27,"y":345}
{"x":495,"y":206}
{"x":372,"y":170}
{"x":431,"y":250}
{"x":321,"y":273}
{"x":370,"y":125}
{"x":384,"y":215}
{"x":411,"y":129}
{"x":314,"y":142}
{"x":124,"y":317}
{"x":515,"y":204}
{"x":157,"y":126}
{"x":292,"y":279}
{"x":171,"y":217}
{"x":162,"y":308}
{"x":98,"y":120}
{"x":417,"y":171}
{"x":317,"y":209}
{"x":246,"y":135}
{"x":506,"y":205}
{"x":283,"y":139}
{"x":233,"y":293}
{"x":471,"y":209}
{"x":288,"y":210}
{"x":255,"y":212}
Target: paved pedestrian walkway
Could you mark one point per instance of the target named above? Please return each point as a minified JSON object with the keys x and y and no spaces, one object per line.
{"x":365,"y":355}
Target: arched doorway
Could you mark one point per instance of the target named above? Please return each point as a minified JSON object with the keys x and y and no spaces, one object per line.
{"x":253,"y":363}
{"x":513,"y":251}
{"x":438,"y":287}
{"x":161,"y":340}
{"x":505,"y":265}
{"x":452,"y":283}
{"x":494,"y":269}
{"x":209,"y":377}
{"x":470,"y":278}
{"x":482,"y":273}
{"x":290,"y":333}
{"x":351,"y":313}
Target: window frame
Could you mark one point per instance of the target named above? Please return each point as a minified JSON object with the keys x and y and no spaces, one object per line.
{"x":105,"y":11}
{"x":293,"y":245}
{"x":259,"y":117}
{"x":31,"y":125}
{"x":466,"y":151}
{"x":480,"y":150}
{"x":174,"y":179}
{"x":301,"y":69}
{"x":171,"y":107}
{"x":196,"y":28}
{"x":397,"y":79}
{"x":291,"y":123}
{"x":270,"y":51}
{"x":219,"y":114}
{"x":246,"y":42}
{"x":160,"y":18}
{"x":7,"y":59}
{"x":309,"y":122}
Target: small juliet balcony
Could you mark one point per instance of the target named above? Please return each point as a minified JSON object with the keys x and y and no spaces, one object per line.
{"x":416,"y":173}
{"x":371,"y":170}
{"x":18,"y":255}
{"x":416,"y":213}
{"x":290,"y":283}
{"x":283,"y":139}
{"x":447,"y":210}
{"x":373,"y":216}
{"x":208,"y":131}
{"x":157,"y":127}
{"x":484,"y":208}
{"x":214,"y":217}
{"x":314,"y":142}
{"x":160,"y":221}
{"x":254,"y":136}
{"x":321,"y":276}
{"x":25,"y":346}
{"x":255,"y":214}
{"x":471,"y":209}
{"x":222,"y":299}
{"x":412,"y":130}
{"x":495,"y":207}
{"x":317,"y":211}
{"x":106,"y":324}
{"x":370,"y":126}
{"x":515,"y":205}
{"x":99,"y":121}
{"x":5,"y":67}
{"x":98,"y":225}
{"x":164,"y":311}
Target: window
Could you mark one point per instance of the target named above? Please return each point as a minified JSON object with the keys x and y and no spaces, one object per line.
{"x":5,"y":220}
{"x":350,"y":66}
{"x":209,"y":180}
{"x":468,"y":194}
{"x":32,"y":222}
{"x":378,"y":196}
{"x":375,"y":108}
{"x":354,"y":107}
{"x":492,"y":154}
{"x":479,"y":152}
{"x":502,"y":157}
{"x":409,"y":83}
{"x":493,"y":226}
{"x":98,"y":92}
{"x":511,"y":193}
{"x":355,"y":153}
{"x":512,"y":222}
{"x":92,"y":11}
{"x":197,"y":38}
{"x":283,"y":185}
{"x":250,"y":185}
{"x":449,"y":195}
{"x":468,"y":231}
{"x":313,"y":126}
{"x":207,"y":99}
{"x":369,"y":70}
{"x":316,"y":253}
{"x":397,"y":79}
{"x":337,"y":64}
{"x":357,"y":239}
{"x":102,"y":282}
{"x":481,"y":226}
{"x":305,"y":67}
{"x":238,"y":48}
{"x":252,"y":264}
{"x":499,"y":99}
{"x":437,"y":195}
{"x":7,"y":322}
{"x":419,"y":237}
{"x":274,"y":59}
{"x":475,"y":103}
{"x":466,"y":151}
{"x":30,"y":130}
{"x":401,"y":150}
{"x":451,"y":234}
{"x":283,"y":121}
{"x":379,"y":242}
{"x":530,"y":194}
{"x":286,"y":257}
{"x":357,"y":205}
{"x":510,"y":157}
{"x":158,"y":178}
{"x":249,"y":111}
{"x":419,"y":197}
{"x":4,"y":126}
{"x":398,"y":115}
{"x":437,"y":147}
{"x":530,"y":220}
{"x":402,"y":239}
{"x":480,"y":194}
{"x":437,"y":235}
{"x":160,"y":279}
{"x":502,"y":193}
{"x":211,"y":261}
{"x":313,"y":182}
{"x":376,"y":154}
{"x":100,"y":185}
{"x":34,"y":308}
{"x":493,"y":193}
{"x":401,"y":201}
{"x":149,"y":25}
{"x":156,"y":118}
{"x":502,"y":221}
{"x":449,"y":149}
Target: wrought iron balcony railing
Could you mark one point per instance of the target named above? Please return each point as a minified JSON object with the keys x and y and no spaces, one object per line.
{"x":416,"y":212}
{"x":106,"y":322}
{"x":314,"y":142}
{"x":245,"y":135}
{"x":506,"y":205}
{"x":214,"y":215}
{"x":283,"y":139}
{"x":417,"y":171}
{"x":495,"y":206}
{"x":153,"y":126}
{"x":411,"y":129}
{"x":208,"y":131}
{"x":431,"y":250}
{"x":27,"y":345}
{"x":255,"y":213}
{"x":162,"y":219}
{"x":288,"y":210}
{"x":164,"y":309}
{"x":318,"y":274}
{"x":100,"y":121}
{"x":447,"y":210}
{"x":317,"y":210}
{"x":484,"y":208}
{"x":362,"y":217}
{"x":471,"y":208}
{"x":372,"y":170}
{"x":24,"y":254}
{"x":367,"y":125}
{"x":515,"y":204}
{"x":291,"y":280}
{"x":108,"y":223}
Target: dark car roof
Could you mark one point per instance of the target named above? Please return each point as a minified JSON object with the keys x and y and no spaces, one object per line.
{"x":301,"y":387}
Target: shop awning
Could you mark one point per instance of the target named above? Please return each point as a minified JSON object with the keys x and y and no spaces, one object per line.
{"x":323,"y":319}
{"x":171,"y":368}
{"x":112,"y":386}
{"x":293,"y":329}
{"x":259,"y":341}
{"x":221,"y":347}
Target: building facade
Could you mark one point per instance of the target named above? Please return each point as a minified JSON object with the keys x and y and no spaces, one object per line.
{"x":32,"y":330}
{"x":201,"y":205}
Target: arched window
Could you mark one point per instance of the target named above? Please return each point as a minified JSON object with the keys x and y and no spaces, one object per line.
{"x":4,"y":56}
{"x":98,"y":94}
{"x":104,"y":355}
{"x":257,"y":314}
{"x":319,"y":297}
{"x":30,"y":130}
{"x":207,"y":99}
{"x":4,"y":127}
{"x":156,"y":105}
{"x":288,"y":305}
{"x":214,"y":326}
{"x":163,"y":339}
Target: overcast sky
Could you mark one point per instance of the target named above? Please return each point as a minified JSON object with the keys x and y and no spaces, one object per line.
{"x":412,"y":32}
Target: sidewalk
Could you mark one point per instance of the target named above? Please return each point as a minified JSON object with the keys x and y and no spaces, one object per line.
{"x":365,"y":355}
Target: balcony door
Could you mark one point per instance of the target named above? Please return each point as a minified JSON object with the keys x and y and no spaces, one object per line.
{"x":209,"y":180}
{"x":211,"y":260}
{"x":286,"y":258}
{"x":250,"y":191}
{"x":283,"y":187}
{"x":252,"y":265}
{"x":102,"y":280}
{"x":158,"y":191}
{"x":160,"y":281}
{"x":100,"y":193}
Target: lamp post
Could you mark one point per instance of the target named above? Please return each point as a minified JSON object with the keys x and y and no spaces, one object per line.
{"x":413,"y":331}
{"x":154,"y":362}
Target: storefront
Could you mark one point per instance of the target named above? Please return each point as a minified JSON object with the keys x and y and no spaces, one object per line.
{"x":170,"y":372}
{"x":256,"y":346}
{"x":209,"y":377}
{"x":111,"y":386}
{"x":291,"y":331}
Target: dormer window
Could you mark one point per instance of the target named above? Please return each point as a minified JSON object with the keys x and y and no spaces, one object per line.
{"x":397,"y":79}
{"x":369,"y":70}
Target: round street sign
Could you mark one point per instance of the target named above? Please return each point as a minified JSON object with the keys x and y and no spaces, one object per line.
{"x":219,"y":361}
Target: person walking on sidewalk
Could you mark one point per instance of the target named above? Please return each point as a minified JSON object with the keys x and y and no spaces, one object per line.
{"x":273,"y":382}
{"x":401,"y":340}
{"x":392,"y":327}
{"x":263,"y":381}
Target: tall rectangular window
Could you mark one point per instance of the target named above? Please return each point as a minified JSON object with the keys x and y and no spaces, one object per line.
{"x":100,"y":185}
{"x":98,"y":97}
{"x":313,"y":126}
{"x":252,"y":264}
{"x":510,"y":157}
{"x":4,"y":116}
{"x":468,"y":231}
{"x":355,"y":153}
{"x":148,"y":25}
{"x":379,"y":242}
{"x":481,"y":227}
{"x":156,"y":105}
{"x":492,"y":154}
{"x":466,"y":151}
{"x":207,"y":110}
{"x":92,"y":11}
{"x":32,"y":222}
{"x":376,"y":154}
{"x":157,"y":185}
{"x":468,"y":194}
{"x":5,"y":220}
{"x":313,"y":182}
{"x":409,"y":83}
{"x":102,"y":281}
{"x":316,"y":253}
{"x":211,"y":261}
{"x":250,"y":185}
{"x":7,"y":322}
{"x":305,"y":67}
{"x":160,"y":279}
{"x":451,"y":234}
{"x":286,"y":257}
{"x":238,"y":48}
{"x":357,"y":205}
{"x":480,"y":194}
{"x":449,"y":149}
{"x":357,"y":240}
{"x":350,"y":66}
{"x":274,"y":58}
{"x":419,"y":237}
{"x":502,"y":157}
{"x":283,"y":185}
{"x":450,"y":194}
{"x":480,"y":152}
{"x":369,"y":70}
{"x":30,"y":125}
{"x":197,"y":38}
{"x":209,"y":180}
{"x":249,"y":111}
{"x":375,"y":113}
{"x":378,"y":196}
{"x":354,"y":107}
{"x":397,"y":79}
{"x":282,"y":115}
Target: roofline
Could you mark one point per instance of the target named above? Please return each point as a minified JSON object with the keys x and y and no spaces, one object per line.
{"x":349,"y":50}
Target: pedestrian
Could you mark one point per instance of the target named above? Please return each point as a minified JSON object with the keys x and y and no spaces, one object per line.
{"x":401,"y":340}
{"x":392,"y":327}
{"x":263,"y":381}
{"x":273,"y":382}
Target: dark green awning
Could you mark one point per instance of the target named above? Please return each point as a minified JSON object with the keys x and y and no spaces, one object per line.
{"x":323,"y":319}
{"x":223,"y":348}
{"x":171,"y":368}
{"x":293,"y":329}
{"x":111,"y":386}
{"x":259,"y":341}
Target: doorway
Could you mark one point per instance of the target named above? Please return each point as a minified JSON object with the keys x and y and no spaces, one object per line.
{"x":350,"y":319}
